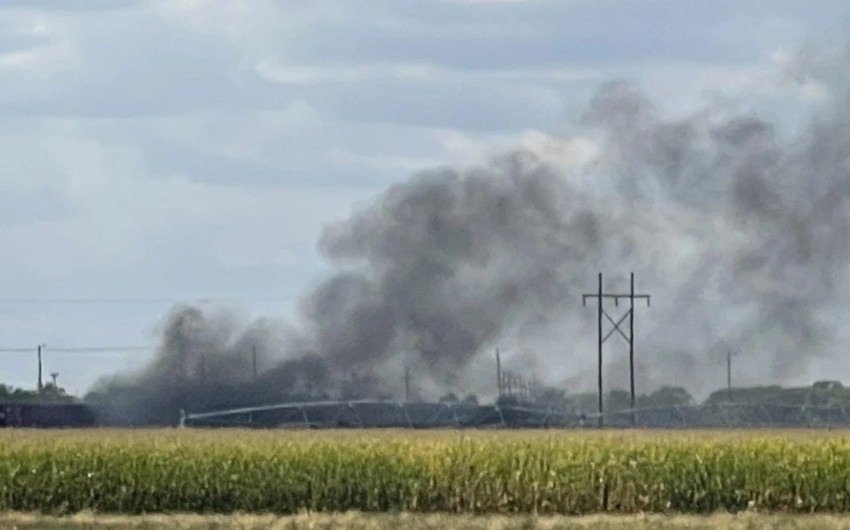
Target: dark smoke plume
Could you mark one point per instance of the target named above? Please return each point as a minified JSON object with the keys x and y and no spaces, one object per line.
{"x":737,"y":227}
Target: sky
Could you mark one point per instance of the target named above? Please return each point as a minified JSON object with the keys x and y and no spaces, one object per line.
{"x":160,"y":151}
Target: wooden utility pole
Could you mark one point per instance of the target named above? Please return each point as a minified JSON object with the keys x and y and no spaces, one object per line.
{"x":499,"y":382}
{"x":254,"y":361}
{"x":632,"y":346}
{"x":729,"y":371}
{"x":40,"y":382}
{"x":601,"y":340}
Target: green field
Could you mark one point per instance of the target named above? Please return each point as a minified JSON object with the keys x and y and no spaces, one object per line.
{"x":461,"y":472}
{"x":360,"y":521}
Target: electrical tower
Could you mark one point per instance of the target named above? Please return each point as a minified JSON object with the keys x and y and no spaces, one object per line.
{"x":600,"y":296}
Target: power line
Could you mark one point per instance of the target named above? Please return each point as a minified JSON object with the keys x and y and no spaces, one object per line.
{"x":81,"y":349}
{"x":136,"y":301}
{"x":95,"y":349}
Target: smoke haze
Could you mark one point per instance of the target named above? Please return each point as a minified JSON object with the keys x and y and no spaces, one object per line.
{"x":736,"y":226}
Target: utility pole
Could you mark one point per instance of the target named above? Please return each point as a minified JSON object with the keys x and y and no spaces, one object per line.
{"x":40,"y":382}
{"x":729,"y":371}
{"x":601,"y":340}
{"x":632,"y":345}
{"x":499,"y":382}
{"x":407,"y":384}
{"x":629,"y":338}
{"x":254,"y":361}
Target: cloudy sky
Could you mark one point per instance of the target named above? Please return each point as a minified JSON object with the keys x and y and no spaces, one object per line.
{"x":182,"y":149}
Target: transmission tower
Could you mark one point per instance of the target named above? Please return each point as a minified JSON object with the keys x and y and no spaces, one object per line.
{"x":631,"y":296}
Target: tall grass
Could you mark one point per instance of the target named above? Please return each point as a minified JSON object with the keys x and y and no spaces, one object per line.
{"x":285,"y":472}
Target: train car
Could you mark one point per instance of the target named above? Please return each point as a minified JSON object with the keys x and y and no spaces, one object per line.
{"x":46,"y":415}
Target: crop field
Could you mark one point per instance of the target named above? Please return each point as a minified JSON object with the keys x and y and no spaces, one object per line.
{"x":492,"y":473}
{"x":362,"y":521}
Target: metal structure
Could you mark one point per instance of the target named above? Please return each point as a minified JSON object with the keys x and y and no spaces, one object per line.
{"x":600,"y":296}
{"x":510,"y":384}
{"x":376,"y":414}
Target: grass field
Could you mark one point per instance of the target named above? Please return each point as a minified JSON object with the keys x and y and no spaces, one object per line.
{"x":466,"y":472}
{"x":359,"y":521}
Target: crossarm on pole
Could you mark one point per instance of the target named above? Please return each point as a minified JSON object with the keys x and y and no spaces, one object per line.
{"x":616,"y":325}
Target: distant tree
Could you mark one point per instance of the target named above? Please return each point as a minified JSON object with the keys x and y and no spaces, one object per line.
{"x":751,"y":395}
{"x":52,"y":390}
{"x":828,"y":386}
{"x":48,"y":393}
{"x":470,"y":399}
{"x":449,"y":398}
{"x":617,"y":400}
{"x":828,"y":394}
{"x":667,"y":396}
{"x":585,"y":402}
{"x":507,"y":400}
{"x":551,"y":397}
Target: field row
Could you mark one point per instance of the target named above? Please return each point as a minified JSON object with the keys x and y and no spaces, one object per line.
{"x":283,"y":472}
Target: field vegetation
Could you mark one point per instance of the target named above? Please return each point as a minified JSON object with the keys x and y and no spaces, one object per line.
{"x":461,"y":472}
{"x":361,"y":521}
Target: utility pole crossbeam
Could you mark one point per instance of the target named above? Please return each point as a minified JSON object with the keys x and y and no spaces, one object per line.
{"x":600,"y":296}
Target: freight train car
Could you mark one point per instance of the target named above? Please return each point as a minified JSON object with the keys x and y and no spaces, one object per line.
{"x":46,"y":415}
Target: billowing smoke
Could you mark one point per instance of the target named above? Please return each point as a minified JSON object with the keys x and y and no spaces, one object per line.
{"x":212,"y":359}
{"x":765,"y":222}
{"x":737,"y":227}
